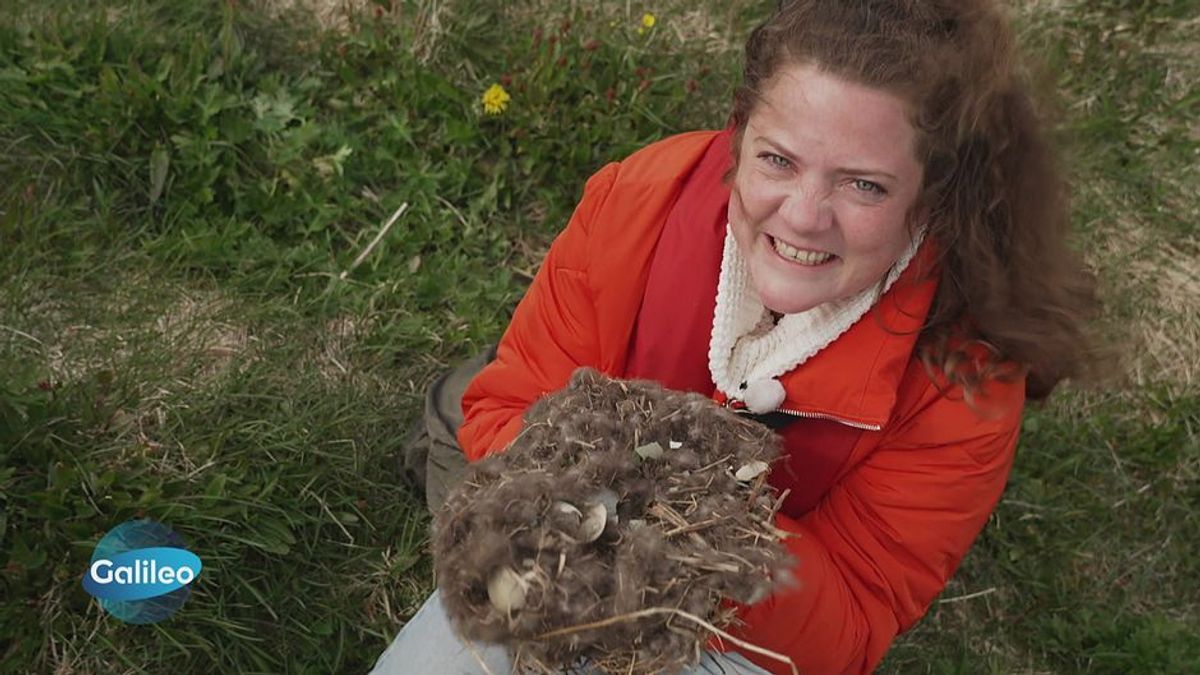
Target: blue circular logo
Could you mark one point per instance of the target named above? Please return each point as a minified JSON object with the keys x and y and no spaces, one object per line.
{"x":141,"y":572}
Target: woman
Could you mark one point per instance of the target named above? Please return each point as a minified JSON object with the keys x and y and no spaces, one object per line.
{"x":871,"y":259}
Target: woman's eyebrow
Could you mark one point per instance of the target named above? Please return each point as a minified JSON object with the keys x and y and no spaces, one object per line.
{"x":875,"y":173}
{"x":777,"y":147}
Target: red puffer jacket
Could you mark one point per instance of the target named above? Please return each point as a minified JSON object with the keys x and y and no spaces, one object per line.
{"x":890,"y":478}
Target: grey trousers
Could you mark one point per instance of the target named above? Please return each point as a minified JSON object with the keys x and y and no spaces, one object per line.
{"x":431,"y":459}
{"x":427,"y":645}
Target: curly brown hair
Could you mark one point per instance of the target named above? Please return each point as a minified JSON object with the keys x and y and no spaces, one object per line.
{"x":993,"y":197}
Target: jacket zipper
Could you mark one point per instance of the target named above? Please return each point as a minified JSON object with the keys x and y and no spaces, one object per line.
{"x":809,"y":415}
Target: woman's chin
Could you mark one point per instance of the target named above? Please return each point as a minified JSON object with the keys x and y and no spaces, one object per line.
{"x":783,"y":295}
{"x":788,"y":300}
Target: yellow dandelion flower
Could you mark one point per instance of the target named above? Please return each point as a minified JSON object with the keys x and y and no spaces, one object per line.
{"x":495,"y":100}
{"x":648,"y":20}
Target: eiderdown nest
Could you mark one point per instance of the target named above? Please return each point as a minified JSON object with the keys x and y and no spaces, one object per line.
{"x":611,"y":529}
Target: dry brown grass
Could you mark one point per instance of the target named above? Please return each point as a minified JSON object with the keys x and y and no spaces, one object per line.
{"x":198,"y":328}
{"x":1150,"y":273}
{"x":329,"y":14}
{"x":1169,"y":328}
{"x":1151,"y":285}
{"x":704,"y":26}
{"x":426,"y":19}
{"x":104,"y":331}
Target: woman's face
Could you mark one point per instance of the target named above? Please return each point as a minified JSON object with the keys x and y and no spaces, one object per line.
{"x":825,"y":178}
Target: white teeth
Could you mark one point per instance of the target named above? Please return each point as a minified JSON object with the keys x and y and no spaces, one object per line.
{"x":802,"y":257}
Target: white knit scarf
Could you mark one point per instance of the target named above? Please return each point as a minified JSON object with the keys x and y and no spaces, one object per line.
{"x":746,"y":348}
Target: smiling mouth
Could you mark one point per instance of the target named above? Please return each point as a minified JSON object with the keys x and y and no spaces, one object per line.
{"x":806,"y":258}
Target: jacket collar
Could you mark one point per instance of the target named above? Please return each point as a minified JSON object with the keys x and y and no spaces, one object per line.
{"x":856,"y":379}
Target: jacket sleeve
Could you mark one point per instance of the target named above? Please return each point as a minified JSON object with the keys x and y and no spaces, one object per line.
{"x":882,"y":544}
{"x":552,"y":332}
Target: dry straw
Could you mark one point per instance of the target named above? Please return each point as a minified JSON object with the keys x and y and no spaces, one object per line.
{"x":613,"y":530}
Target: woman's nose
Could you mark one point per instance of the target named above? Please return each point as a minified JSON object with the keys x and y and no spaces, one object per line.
{"x":806,"y":208}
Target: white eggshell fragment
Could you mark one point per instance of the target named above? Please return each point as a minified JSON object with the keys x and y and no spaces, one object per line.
{"x":593,"y":522}
{"x":568,"y":509}
{"x":609,"y":499}
{"x":650,"y":451}
{"x":759,"y":594}
{"x":751,"y":470}
{"x":506,"y":590}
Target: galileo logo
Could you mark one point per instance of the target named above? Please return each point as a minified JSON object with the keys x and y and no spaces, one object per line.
{"x":141,"y":571}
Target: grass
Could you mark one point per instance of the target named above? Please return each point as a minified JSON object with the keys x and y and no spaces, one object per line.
{"x":182,"y":185}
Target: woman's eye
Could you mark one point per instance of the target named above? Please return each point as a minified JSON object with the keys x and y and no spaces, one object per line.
{"x":868,"y":187}
{"x":776,"y":161}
